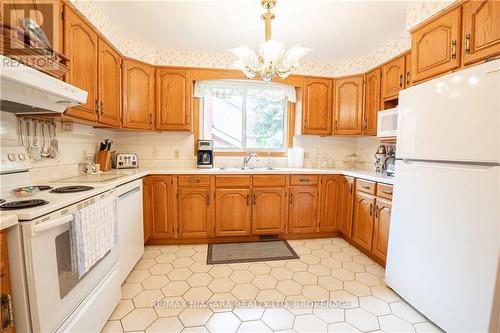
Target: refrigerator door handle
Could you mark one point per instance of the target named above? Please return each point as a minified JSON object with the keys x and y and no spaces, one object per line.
{"x":478,"y":166}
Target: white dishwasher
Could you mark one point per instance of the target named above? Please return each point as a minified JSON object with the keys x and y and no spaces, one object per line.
{"x":130,"y":226}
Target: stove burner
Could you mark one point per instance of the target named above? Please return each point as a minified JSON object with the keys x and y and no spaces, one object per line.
{"x":23,"y":204}
{"x":72,"y":189}
{"x":43,"y":187}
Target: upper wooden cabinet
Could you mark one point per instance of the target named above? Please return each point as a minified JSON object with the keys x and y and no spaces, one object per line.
{"x":481,"y":30}
{"x":109,"y":85}
{"x":233,"y":212}
{"x":173,"y":103}
{"x":317,"y":106}
{"x":269,"y":211}
{"x":372,"y":102}
{"x":158,"y":207}
{"x":80,"y":46}
{"x":303,"y":209}
{"x":408,"y":77}
{"x":194,"y":212}
{"x":436,"y":46}
{"x":348,"y":110}
{"x":138,"y":95}
{"x":393,"y":76}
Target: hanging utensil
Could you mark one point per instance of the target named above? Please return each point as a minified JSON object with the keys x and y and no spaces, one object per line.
{"x":45,"y":140}
{"x":54,"y":145}
{"x":34,"y":151}
{"x":20,"y":123}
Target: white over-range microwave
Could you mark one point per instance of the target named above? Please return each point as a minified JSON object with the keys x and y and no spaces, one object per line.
{"x":387,"y":123}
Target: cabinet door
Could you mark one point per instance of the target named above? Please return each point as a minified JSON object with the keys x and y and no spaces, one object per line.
{"x":348,"y":118}
{"x":194,"y":213}
{"x":109,"y":85}
{"x":481,"y":31}
{"x":347,"y":207}
{"x":5,"y":289}
{"x":174,"y":93}
{"x":138,"y":95}
{"x":436,"y":46}
{"x":80,"y":46}
{"x":362,"y":228}
{"x":408,"y":70}
{"x":381,"y":228}
{"x":331,"y":203}
{"x":317,"y":106}
{"x":233,"y":212}
{"x":269,"y":211}
{"x":303,"y":211}
{"x":158,"y":207}
{"x":372,"y":102}
{"x":393,"y":75}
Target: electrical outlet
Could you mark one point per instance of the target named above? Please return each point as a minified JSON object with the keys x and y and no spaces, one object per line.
{"x":176,"y":154}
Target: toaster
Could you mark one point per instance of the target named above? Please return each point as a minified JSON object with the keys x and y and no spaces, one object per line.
{"x":124,"y":161}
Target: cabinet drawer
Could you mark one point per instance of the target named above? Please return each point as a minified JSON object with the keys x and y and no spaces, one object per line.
{"x":384,"y":191}
{"x":365,"y":186}
{"x":267,"y":181}
{"x":298,"y":180}
{"x":232,"y":181}
{"x":193,"y":180}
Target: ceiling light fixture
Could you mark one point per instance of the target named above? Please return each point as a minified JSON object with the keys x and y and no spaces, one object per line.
{"x":272,"y":59}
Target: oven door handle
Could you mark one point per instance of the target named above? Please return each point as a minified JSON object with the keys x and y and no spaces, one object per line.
{"x":39,"y":228}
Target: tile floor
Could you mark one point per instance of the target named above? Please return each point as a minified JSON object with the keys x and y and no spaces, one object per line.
{"x":332,"y":288}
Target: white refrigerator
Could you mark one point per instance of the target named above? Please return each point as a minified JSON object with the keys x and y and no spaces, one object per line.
{"x":444,"y":241}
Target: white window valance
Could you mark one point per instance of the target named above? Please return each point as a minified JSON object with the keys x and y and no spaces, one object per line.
{"x":228,"y":88}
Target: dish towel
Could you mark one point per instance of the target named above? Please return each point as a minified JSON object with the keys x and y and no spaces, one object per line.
{"x":94,"y":232}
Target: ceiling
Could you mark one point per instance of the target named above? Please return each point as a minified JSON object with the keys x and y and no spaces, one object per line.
{"x":336,"y":30}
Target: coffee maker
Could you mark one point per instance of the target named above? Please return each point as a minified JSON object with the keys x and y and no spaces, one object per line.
{"x":205,"y":158}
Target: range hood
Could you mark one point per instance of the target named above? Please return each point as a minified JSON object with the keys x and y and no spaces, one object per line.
{"x":26,"y":90}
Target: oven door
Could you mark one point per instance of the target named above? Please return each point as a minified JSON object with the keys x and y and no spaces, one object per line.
{"x":54,"y":287}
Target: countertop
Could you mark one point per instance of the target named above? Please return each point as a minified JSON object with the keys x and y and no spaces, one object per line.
{"x":9,"y":218}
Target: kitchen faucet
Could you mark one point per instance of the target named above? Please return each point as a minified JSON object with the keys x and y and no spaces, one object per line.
{"x":247,"y":159}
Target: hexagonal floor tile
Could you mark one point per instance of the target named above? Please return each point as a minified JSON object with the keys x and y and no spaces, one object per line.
{"x":374,"y":305}
{"x":255,"y":326}
{"x":179,"y":274}
{"x":368,"y":279}
{"x":299,"y":305}
{"x":406,"y":312}
{"x":112,"y":327}
{"x":185,"y":253}
{"x":332,"y":248}
{"x":223,"y":322}
{"x":321,"y":253}
{"x":344,"y":299}
{"x":342,"y":327}
{"x":151,"y":253}
{"x":137,"y":276}
{"x":301,"y":250}
{"x":330,"y":283}
{"x":305,"y":278}
{"x":343,"y":274}
{"x":331,"y":263}
{"x":221,"y":285}
{"x":315,"y":293}
{"x":278,"y":319}
{"x":296,"y":266}
{"x":220,"y":271}
{"x":182,"y":262}
{"x":363,"y":260}
{"x":248,"y":313}
{"x":197,"y":294}
{"x":199,"y":257}
{"x":144,"y":264}
{"x":170,"y":306}
{"x":166,"y":325}
{"x":259,"y":268}
{"x":139,"y":319}
{"x":352,"y":251}
{"x":199,"y":279}
{"x":361,"y":319}
{"x":161,"y":269}
{"x":329,"y":315}
{"x":385,"y":294}
{"x":353,"y":266}
{"x":155,"y":282}
{"x":276,"y":263}
{"x":222,"y":302}
{"x":310,"y":259}
{"x":239,"y":266}
{"x":169,"y":248}
{"x":309,"y":323}
{"x":391,"y":323}
{"x":130,"y":290}
{"x":311,"y":244}
{"x":375,"y":270}
{"x":243,"y":276}
{"x":264,"y":282}
{"x":244,"y":291}
{"x":357,"y":288}
{"x":281,"y":273}
{"x":341,"y":256}
{"x":319,"y":270}
{"x":122,"y":309}
{"x":148,"y":298}
{"x":195,"y":316}
{"x":289,"y":287}
{"x":200,"y":267}
{"x":175,"y":288}
{"x":270,"y":295}
{"x":166,"y":258}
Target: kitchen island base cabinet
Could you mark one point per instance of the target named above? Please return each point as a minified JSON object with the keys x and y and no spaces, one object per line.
{"x":269,"y":211}
{"x":157,"y":207}
{"x":233,"y":212}
{"x":194,"y":213}
{"x":303,"y":209}
{"x":362,"y":224}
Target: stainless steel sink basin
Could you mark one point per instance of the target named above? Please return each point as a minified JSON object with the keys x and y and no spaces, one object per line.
{"x":249,"y":169}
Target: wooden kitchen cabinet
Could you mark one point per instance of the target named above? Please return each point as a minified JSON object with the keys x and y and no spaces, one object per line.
{"x":362,"y":227}
{"x":303,"y":209}
{"x":481,"y":30}
{"x":372,"y":101}
{"x":5,"y":289}
{"x":436,"y":46}
{"x":347,"y":206}
{"x":173,"y":100}
{"x":194,"y":212}
{"x":233,"y":212}
{"x":348,"y":109}
{"x":269,"y":211}
{"x":81,"y":47}
{"x":408,"y":70}
{"x":331,"y":203}
{"x":138,"y":95}
{"x":393,"y":76}
{"x":158,"y":207}
{"x":317,"y":106}
{"x":382,"y":223}
{"x":109,"y":80}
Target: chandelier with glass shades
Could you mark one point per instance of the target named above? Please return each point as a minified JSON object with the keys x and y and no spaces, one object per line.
{"x":273,"y":59}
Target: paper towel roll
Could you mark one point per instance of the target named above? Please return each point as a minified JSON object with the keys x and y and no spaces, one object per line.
{"x":296,"y":157}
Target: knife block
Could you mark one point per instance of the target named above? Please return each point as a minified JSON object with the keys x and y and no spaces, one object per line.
{"x":103,"y":158}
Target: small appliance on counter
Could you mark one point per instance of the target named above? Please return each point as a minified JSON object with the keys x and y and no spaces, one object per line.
{"x":125,"y":161}
{"x":390,"y":163}
{"x":385,"y":159}
{"x":205,"y":158}
{"x":380,"y":158}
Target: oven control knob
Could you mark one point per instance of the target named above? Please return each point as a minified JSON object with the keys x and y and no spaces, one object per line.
{"x":134,"y":163}
{"x":120,"y":163}
{"x":11,"y":157}
{"x":21,"y":157}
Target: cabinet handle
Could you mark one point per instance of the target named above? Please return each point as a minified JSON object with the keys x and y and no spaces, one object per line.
{"x":376,"y":211}
{"x":401,"y":81}
{"x":304,"y":179}
{"x":388,"y":192}
{"x":150,"y":119}
{"x":305,"y":123}
{"x":350,"y":188}
{"x":366,"y":187}
{"x":370,"y":210}
{"x":408,"y":78}
{"x":254,"y":199}
{"x":102,"y":108}
{"x":335,"y":124}
{"x":97,"y":107}
{"x":248,"y":199}
{"x":467,"y":43}
{"x":291,"y":199}
{"x":194,"y":181}
{"x":453,"y":49}
{"x":208,"y":200}
{"x":7,"y":312}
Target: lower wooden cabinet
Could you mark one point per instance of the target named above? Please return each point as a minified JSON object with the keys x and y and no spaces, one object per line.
{"x":233,"y":212}
{"x":331,"y":203}
{"x":194,"y":213}
{"x":347,"y":207}
{"x":362,"y":224}
{"x":158,"y":207}
{"x":303,"y":209}
{"x":269,"y":211}
{"x":5,"y":290}
{"x":381,"y":228}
